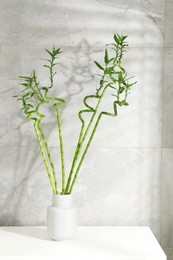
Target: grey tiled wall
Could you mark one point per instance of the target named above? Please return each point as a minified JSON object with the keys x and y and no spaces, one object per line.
{"x":126,"y":177}
{"x":167,"y":167}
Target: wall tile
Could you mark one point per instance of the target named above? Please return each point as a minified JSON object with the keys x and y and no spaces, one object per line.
{"x":66,"y":22}
{"x":145,"y":6}
{"x":168,"y":7}
{"x":12,"y":119}
{"x":123,"y":188}
{"x":77,"y":78}
{"x":114,"y":187}
{"x":167,"y":194}
{"x":169,"y":31}
{"x":167,"y":100}
{"x":169,"y":24}
{"x":20,"y":178}
{"x":118,"y":184}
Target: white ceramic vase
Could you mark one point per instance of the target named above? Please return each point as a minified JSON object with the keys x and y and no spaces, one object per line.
{"x":62,"y":217}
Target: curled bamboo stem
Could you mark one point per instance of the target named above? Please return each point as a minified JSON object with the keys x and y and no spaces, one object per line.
{"x":41,"y":116}
{"x":84,"y":153}
{"x":82,"y":139}
{"x":89,"y":142}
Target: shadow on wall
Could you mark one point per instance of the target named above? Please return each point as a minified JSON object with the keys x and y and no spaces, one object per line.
{"x":26,"y":157}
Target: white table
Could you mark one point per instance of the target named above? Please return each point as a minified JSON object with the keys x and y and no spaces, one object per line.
{"x":91,"y":243}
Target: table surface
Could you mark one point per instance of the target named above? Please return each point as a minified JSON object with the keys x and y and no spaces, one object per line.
{"x":109,"y":243}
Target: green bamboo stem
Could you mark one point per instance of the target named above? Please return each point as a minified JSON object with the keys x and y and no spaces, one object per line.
{"x":79,"y":145}
{"x":73,"y":166}
{"x":76,"y":154}
{"x":44,"y":157}
{"x":61,"y":148}
{"x":59,"y":102}
{"x":84,"y":153}
{"x":49,"y":157}
{"x":51,"y":73}
{"x":78,"y":149}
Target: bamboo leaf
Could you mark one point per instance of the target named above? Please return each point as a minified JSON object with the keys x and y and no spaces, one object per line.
{"x":125,"y":103}
{"x":27,"y":94}
{"x":29,"y":105}
{"x":98,"y":65}
{"x":46,"y":66}
{"x":109,"y":70}
{"x":24,"y":77}
{"x":116,"y":38}
{"x":101,"y":82}
{"x":50,"y":53}
{"x":24,"y":89}
{"x":121,"y":89}
{"x":119,"y":103}
{"x":24,"y":84}
{"x":124,"y":37}
{"x":54,"y":64}
{"x":106,"y":57}
{"x":57,"y":51}
{"x":111,"y":59}
{"x":115,"y":72}
{"x":120,"y":77}
{"x":46,"y":60}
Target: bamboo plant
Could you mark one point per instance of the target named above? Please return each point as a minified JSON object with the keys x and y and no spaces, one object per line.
{"x":33,"y":96}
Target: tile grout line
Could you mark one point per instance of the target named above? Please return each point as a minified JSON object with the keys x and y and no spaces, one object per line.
{"x":83,"y":46}
{"x":97,"y":147}
{"x":162,"y":134}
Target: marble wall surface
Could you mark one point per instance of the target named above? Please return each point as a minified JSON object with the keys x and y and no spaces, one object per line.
{"x":126,"y":177}
{"x":167,"y":151}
